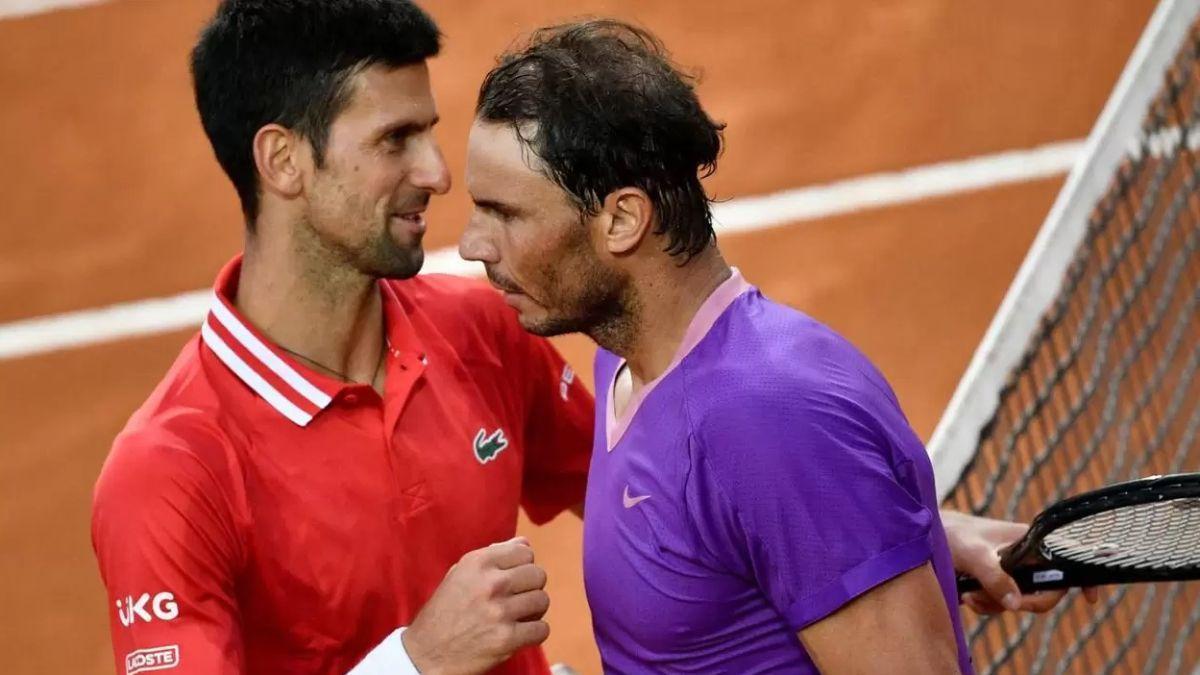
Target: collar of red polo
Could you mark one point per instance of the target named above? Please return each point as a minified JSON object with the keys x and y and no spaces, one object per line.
{"x":296,"y":391}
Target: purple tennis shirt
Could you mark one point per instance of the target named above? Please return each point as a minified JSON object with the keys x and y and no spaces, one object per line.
{"x":766,"y":479}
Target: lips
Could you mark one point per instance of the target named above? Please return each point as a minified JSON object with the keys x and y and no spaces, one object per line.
{"x":501,"y":285}
{"x":414,"y":219}
{"x":413,"y":211}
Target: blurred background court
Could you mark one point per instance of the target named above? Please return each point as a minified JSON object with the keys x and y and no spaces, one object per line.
{"x":111,"y":195}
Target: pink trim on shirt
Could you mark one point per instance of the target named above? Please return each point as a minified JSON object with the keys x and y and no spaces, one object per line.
{"x":712,"y":309}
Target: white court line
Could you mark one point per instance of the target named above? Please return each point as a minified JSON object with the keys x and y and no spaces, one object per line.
{"x":159,"y":315}
{"x":901,"y":187}
{"x":17,"y":8}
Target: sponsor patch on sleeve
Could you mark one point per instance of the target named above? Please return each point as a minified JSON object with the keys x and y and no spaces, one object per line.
{"x":155,"y":658}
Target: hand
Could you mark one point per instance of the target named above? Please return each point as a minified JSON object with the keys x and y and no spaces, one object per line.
{"x":490,"y":604}
{"x":975,"y":545}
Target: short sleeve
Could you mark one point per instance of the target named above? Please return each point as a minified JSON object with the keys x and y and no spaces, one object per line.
{"x":165,"y":540}
{"x":801,"y":492}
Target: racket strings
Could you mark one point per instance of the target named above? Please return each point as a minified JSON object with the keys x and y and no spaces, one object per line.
{"x":1160,"y":535}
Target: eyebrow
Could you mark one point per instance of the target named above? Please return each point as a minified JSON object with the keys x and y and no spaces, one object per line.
{"x":407,"y":128}
{"x":497,"y":206}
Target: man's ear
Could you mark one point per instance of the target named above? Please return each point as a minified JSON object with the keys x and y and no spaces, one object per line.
{"x":630,"y":216}
{"x":278,"y":155}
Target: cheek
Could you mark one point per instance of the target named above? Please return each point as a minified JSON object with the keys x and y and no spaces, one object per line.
{"x":525,"y":260}
{"x":518,"y":248}
{"x":342,"y":214}
{"x":343,"y":205}
{"x":365,"y":178}
{"x":327,"y":201}
{"x":566,"y":269}
{"x":370,"y":186}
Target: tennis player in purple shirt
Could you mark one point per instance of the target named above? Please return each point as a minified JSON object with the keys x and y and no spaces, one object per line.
{"x":760,"y":482}
{"x":757,"y":501}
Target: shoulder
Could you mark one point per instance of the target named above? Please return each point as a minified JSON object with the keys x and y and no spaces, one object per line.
{"x":168,"y":455}
{"x":185,"y":415}
{"x":760,"y":352}
{"x":772,"y":373}
{"x":169,"y":496}
{"x":169,"y":490}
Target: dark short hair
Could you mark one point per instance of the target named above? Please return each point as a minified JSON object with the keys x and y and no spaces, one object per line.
{"x":603,"y":107}
{"x":290,"y":62}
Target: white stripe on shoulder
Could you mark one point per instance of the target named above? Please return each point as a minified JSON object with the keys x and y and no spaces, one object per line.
{"x":254,"y":380}
{"x":268,"y":357}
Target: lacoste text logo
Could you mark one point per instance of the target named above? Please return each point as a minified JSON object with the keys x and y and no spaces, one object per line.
{"x":631,"y":502}
{"x":158,"y":658}
{"x":489,"y":445}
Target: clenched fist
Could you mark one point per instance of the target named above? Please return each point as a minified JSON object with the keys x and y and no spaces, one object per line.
{"x":490,"y":604}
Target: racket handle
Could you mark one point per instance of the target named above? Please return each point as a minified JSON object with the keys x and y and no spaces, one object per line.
{"x":968,"y":584}
{"x":1028,"y":581}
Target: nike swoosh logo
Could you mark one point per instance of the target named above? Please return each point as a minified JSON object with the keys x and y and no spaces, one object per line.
{"x":631,"y":502}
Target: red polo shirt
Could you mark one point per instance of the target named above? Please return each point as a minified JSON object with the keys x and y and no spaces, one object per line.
{"x":258,"y":516}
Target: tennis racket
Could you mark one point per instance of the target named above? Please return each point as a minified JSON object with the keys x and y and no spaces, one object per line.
{"x":1143,"y":530}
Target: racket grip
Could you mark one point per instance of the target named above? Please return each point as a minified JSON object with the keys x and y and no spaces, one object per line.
{"x":968,"y":584}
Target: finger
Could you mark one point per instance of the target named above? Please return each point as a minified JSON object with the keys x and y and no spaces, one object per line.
{"x":509,"y":554}
{"x":1008,"y":531}
{"x":525,"y":578}
{"x":973,"y":603}
{"x":985,"y":566}
{"x":528,"y":633}
{"x":519,"y":540}
{"x":982,"y":603}
{"x":1091,"y":594}
{"x":529,"y":606}
{"x":1042,"y":601}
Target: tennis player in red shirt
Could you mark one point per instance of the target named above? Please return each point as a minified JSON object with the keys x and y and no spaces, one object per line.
{"x":340,"y":433}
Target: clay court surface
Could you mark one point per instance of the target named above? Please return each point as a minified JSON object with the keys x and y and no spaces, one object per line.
{"x":110,"y":194}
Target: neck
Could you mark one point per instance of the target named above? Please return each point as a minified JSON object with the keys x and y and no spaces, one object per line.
{"x":667,"y":302}
{"x":322,"y":310}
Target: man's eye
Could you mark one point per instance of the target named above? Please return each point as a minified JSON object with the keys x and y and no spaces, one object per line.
{"x":498,"y":214}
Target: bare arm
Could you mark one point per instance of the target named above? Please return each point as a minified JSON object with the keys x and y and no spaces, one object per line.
{"x":899,"y":627}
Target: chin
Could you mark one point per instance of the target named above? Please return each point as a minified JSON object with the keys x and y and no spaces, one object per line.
{"x":399,"y":265}
{"x":390,"y":257}
{"x":535,"y":327}
{"x":547,"y":326}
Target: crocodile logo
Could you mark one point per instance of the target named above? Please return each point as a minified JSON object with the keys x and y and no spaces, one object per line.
{"x":487,"y":446}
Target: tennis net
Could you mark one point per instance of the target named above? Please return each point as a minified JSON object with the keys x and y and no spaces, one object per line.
{"x":1088,"y":374}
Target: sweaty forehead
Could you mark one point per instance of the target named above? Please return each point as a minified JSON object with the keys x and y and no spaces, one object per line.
{"x":498,"y":162}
